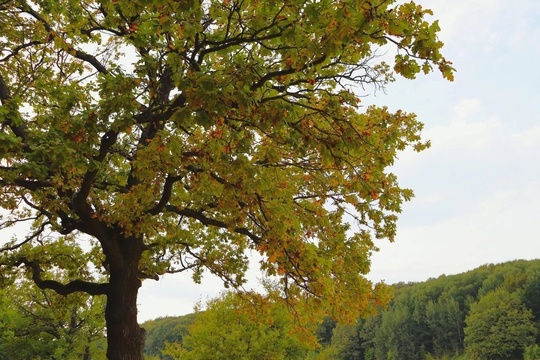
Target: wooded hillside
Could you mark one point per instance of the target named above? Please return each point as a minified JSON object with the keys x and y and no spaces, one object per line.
{"x":492,"y":312}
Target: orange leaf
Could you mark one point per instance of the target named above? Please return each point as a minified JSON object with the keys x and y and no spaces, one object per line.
{"x":288,"y":62}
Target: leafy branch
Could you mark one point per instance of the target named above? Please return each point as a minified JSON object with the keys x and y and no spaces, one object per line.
{"x":91,"y":288}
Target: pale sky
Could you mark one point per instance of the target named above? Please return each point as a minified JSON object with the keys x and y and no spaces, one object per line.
{"x":478,"y":187}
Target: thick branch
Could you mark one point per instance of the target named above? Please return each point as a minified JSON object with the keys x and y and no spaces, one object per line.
{"x":289,"y":71}
{"x":205,"y":220}
{"x":80,"y":205}
{"x":238,"y":40}
{"x":4,"y":91}
{"x":16,"y":50}
{"x":143,"y":275}
{"x":81,"y":55}
{"x":155,"y":122}
{"x":63,"y":289}
{"x":215,"y":176}
{"x":27,"y":184}
{"x":34,"y":235}
{"x":166,"y":195}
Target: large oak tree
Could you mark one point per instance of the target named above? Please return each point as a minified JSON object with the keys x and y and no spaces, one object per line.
{"x":165,"y":136}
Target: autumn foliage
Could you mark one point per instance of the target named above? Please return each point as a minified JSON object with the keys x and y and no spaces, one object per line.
{"x":167,"y":136}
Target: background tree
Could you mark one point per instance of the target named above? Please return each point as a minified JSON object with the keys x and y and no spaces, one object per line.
{"x":170,"y":135}
{"x":244,"y":326}
{"x":347,"y":342}
{"x":445,"y":321}
{"x":40,"y":324}
{"x":400,"y":335}
{"x":499,"y":327}
{"x":325,"y":330}
{"x":162,"y":330}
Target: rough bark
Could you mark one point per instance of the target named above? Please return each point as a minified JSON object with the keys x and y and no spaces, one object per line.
{"x":125,"y":338}
{"x":86,"y":355}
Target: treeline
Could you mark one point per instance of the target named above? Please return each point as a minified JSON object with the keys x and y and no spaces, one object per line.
{"x":164,"y":330}
{"x":492,"y":312}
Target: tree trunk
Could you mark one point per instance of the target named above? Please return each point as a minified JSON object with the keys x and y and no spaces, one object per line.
{"x":125,"y":338}
{"x":86,"y":355}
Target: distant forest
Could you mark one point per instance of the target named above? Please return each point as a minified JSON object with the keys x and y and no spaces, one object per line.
{"x":492,"y":312}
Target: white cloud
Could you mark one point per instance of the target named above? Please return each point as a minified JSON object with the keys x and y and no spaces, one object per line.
{"x":501,"y":228}
{"x":530,"y":138}
{"x":466,"y":108}
{"x":522,"y":33}
{"x":174,"y":294}
{"x":471,"y":21}
{"x":466,"y":131}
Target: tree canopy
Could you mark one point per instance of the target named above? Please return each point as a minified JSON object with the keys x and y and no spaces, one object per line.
{"x":499,"y":326}
{"x":165,"y":330}
{"x":153,"y":137}
{"x":244,"y":326}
